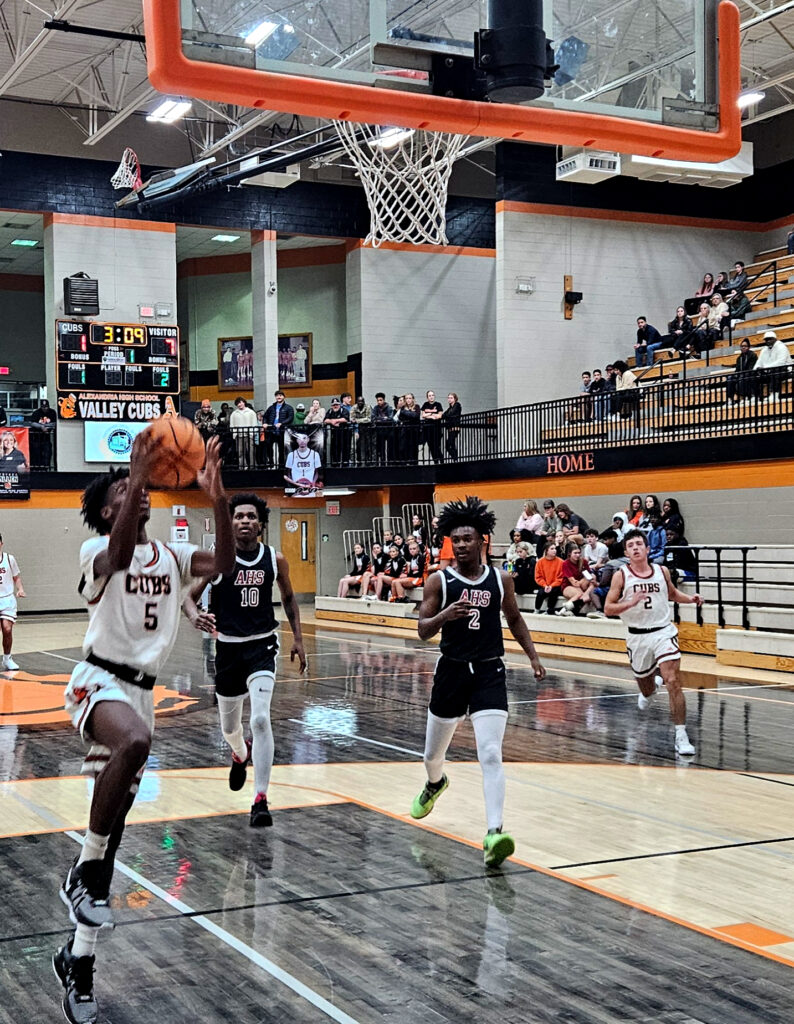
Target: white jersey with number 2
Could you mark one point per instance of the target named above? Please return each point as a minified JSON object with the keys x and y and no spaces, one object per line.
{"x":653,"y":612}
{"x":8,"y":570}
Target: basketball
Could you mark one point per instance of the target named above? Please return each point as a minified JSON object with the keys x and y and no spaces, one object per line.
{"x":180,"y":454}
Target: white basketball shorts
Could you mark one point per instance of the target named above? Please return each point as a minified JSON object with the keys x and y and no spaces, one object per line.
{"x":649,"y":650}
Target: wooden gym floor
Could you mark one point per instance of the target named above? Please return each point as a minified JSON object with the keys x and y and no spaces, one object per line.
{"x":643,"y":889}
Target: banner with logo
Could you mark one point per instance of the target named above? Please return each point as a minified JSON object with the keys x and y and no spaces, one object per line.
{"x":110,"y":442}
{"x":14,"y":462}
{"x":109,"y":405}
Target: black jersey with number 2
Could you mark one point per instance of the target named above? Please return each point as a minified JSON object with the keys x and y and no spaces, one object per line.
{"x":242,"y":600}
{"x":478,"y":637}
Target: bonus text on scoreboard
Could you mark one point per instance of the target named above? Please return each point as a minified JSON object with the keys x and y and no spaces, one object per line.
{"x":138,"y":362}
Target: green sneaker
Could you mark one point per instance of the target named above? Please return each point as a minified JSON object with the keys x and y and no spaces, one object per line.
{"x":424,"y":803}
{"x":496,"y":847}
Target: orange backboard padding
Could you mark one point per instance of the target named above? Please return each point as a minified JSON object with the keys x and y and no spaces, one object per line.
{"x":172,"y":73}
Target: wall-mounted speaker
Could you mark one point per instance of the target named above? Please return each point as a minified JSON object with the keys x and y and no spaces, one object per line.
{"x":80,"y":295}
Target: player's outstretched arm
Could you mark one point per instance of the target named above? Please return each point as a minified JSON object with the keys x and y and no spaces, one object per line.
{"x":19,"y":585}
{"x":126,"y":526}
{"x":517,"y":626}
{"x":194,"y":613}
{"x":221,"y":560}
{"x":678,"y":595}
{"x":290,"y":605}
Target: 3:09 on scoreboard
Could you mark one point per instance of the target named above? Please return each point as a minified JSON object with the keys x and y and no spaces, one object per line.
{"x":143,"y":358}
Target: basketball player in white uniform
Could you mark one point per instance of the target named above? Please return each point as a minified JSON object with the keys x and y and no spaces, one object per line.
{"x":133,"y":587}
{"x":244,"y":622}
{"x":640,"y":594}
{"x":10,"y":589}
{"x":303,"y":467}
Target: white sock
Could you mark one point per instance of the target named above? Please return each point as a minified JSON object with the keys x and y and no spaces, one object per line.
{"x":489,"y":730}
{"x":230,"y":710}
{"x":84,"y":941}
{"x":260,"y":691}
{"x":681,"y":733}
{"x":94,"y":847}
{"x":437,"y":740}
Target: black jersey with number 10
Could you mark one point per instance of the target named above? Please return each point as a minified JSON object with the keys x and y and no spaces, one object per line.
{"x":242,"y":600}
{"x":478,"y":637}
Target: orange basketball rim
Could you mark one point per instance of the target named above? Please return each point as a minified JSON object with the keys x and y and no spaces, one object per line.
{"x":170,"y":71}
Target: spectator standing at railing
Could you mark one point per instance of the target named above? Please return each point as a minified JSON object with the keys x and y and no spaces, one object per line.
{"x":278,"y":417}
{"x":450,"y":419}
{"x":648,"y":341}
{"x":243,"y":424}
{"x":300,"y":415}
{"x":43,"y":419}
{"x":431,"y":413}
{"x":744,"y":383}
{"x":205,"y":419}
{"x":383,"y":425}
{"x":627,"y":389}
{"x":611,"y":388}
{"x":772,"y":365}
{"x":597,"y":390}
{"x":410,"y":424}
{"x":361,"y":425}
{"x":337,"y":419}
{"x":530,"y":522}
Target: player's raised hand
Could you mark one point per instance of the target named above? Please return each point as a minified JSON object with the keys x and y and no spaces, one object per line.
{"x":298,"y":652}
{"x":145,"y":448}
{"x":209,"y":478}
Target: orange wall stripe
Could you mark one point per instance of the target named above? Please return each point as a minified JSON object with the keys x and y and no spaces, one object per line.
{"x":21,"y":283}
{"x":258,"y":236}
{"x":88,"y":221}
{"x":553,"y":210}
{"x":315,"y":256}
{"x":675,"y":479}
{"x":440,"y":250}
{"x":208,"y":266}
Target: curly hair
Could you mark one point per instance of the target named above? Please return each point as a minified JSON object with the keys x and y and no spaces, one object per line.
{"x":470,"y":512}
{"x":95,"y":498}
{"x":262,"y":511}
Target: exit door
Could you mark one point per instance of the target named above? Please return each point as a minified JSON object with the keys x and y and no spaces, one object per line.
{"x":298,"y":545}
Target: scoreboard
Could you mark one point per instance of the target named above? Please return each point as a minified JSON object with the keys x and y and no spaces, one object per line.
{"x":91,"y":356}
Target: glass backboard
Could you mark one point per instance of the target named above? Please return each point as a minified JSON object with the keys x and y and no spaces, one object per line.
{"x":652,"y":77}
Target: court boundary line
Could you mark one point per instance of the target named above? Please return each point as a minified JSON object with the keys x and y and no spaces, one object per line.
{"x":672,"y":853}
{"x":298,"y":987}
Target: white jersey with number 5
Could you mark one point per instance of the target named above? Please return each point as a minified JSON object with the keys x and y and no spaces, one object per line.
{"x":134,"y":613}
{"x":653,"y":611}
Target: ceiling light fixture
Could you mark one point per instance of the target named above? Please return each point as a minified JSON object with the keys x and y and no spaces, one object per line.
{"x":391,"y":137}
{"x":747,"y":99}
{"x":169,"y":111}
{"x":225,"y":238}
{"x":258,"y":35}
{"x":28,"y":243}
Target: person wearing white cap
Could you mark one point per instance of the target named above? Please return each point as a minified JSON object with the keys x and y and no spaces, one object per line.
{"x":773,"y":359}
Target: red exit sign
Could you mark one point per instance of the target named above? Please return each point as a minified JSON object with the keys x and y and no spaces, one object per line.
{"x":5,"y":370}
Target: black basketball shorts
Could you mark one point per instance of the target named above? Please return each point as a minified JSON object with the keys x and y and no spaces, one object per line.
{"x":235,"y":663}
{"x":464,"y":687}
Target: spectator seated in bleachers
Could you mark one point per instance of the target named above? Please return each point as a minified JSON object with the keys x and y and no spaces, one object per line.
{"x":415,"y":572}
{"x":399,"y":543}
{"x":578,"y":585}
{"x":743,"y":386}
{"x":548,"y":576}
{"x":378,"y":560}
{"x":574,"y":527}
{"x":678,"y":331}
{"x":510,"y":554}
{"x":620,"y":524}
{"x":738,"y":282}
{"x":522,"y":569}
{"x":720,"y":313}
{"x":681,"y":562}
{"x":671,"y":516}
{"x":721,"y":284}
{"x":395,"y":567}
{"x":530,"y":522}
{"x":651,"y":505}
{"x":657,"y":537}
{"x":772,"y":366}
{"x":418,"y":530}
{"x":706,"y":331}
{"x":648,"y":341}
{"x":617,"y":559}
{"x":595,"y":552}
{"x":705,"y":291}
{"x":359,"y":563}
{"x":634,"y":510}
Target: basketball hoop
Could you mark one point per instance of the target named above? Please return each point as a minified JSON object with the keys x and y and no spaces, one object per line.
{"x":128,"y":173}
{"x":405,"y":174}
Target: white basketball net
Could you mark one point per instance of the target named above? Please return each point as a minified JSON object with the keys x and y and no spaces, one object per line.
{"x":128,"y":173}
{"x":405,"y":180}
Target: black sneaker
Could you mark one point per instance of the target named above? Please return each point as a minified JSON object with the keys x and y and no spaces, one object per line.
{"x":260,"y":814}
{"x":85,"y":893}
{"x":238,"y":770}
{"x":76,"y":974}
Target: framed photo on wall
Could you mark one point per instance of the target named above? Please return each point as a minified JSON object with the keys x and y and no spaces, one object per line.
{"x":235,"y":364}
{"x":294,"y":360}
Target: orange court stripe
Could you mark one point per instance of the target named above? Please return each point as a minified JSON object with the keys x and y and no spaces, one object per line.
{"x":755,"y":934}
{"x":595,"y":878}
{"x":89,"y":221}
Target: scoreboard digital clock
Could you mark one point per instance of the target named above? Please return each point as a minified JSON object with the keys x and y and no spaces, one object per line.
{"x":117,"y":357}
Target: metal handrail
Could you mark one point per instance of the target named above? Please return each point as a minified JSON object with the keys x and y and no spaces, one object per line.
{"x":718,"y":549}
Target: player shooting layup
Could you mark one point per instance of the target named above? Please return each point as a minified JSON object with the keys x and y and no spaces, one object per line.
{"x":241,"y":611}
{"x":133,"y":589}
{"x":464,"y":603}
{"x":640,"y":594}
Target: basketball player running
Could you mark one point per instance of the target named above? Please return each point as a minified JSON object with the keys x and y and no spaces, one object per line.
{"x":464,"y":603}
{"x":10,"y":589}
{"x":640,"y":594}
{"x":241,"y":611}
{"x":133,"y":589}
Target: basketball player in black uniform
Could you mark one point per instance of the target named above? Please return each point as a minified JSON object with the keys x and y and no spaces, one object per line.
{"x":242,"y":617}
{"x":464,"y":602}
